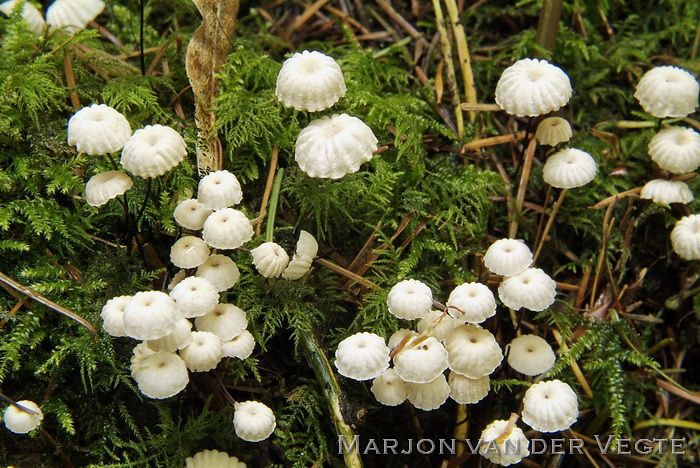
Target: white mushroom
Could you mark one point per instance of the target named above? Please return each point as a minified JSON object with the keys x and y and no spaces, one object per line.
{"x":421,"y":360}
{"x":270,"y":259}
{"x":668,"y":92}
{"x":227,"y":229}
{"x":532,"y":289}
{"x":676,"y":149}
{"x":530,"y":355}
{"x":19,"y":421}
{"x":98,"y":129}
{"x":310,"y":81}
{"x":189,"y":252}
{"x":389,"y":389}
{"x":105,"y":186}
{"x":220,"y":271}
{"x":150,"y":315}
{"x":225,"y":321}
{"x":410,"y":299}
{"x":550,"y":406}
{"x":191,"y":214}
{"x":195,"y":296}
{"x":152,"y":151}
{"x":113,"y":315}
{"x":428,"y":396}
{"x":203,"y":353}
{"x":240,"y":346}
{"x":569,"y":168}
{"x":253,"y":421}
{"x":161,"y":375}
{"x":552,"y":131}
{"x":666,"y":191}
{"x":468,"y":391}
{"x":471,"y":302}
{"x":508,"y":257}
{"x":685,"y":237}
{"x":219,"y":189}
{"x":472,"y":351}
{"x":362,"y":356}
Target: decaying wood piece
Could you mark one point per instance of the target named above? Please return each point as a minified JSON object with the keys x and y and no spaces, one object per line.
{"x":206,"y":54}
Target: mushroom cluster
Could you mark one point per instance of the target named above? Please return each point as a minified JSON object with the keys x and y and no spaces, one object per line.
{"x":72,"y":15}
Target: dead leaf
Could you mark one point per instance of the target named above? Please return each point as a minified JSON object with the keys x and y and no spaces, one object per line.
{"x":206,"y":54}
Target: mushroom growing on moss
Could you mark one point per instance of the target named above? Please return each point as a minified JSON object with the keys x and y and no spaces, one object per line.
{"x":152,"y":151}
{"x":532,"y":289}
{"x":530,"y":355}
{"x":253,"y":421}
{"x":685,"y":237}
{"x":508,"y":257}
{"x":668,"y":91}
{"x":362,"y":356}
{"x":410,"y":299}
{"x":227,"y":229}
{"x":98,"y":129}
{"x":161,"y":375}
{"x":22,"y":417}
{"x":219,"y":189}
{"x":550,"y":406}
{"x":310,"y":81}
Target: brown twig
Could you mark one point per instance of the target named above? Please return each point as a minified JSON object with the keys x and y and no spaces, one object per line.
{"x":522,"y":187}
{"x":268,"y":187}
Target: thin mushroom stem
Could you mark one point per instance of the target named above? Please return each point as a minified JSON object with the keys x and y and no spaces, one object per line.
{"x":145,"y":202}
{"x":550,"y":221}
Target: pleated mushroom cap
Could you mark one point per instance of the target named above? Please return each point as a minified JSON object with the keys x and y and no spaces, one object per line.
{"x":550,"y":406}
{"x":471,"y":302}
{"x":503,"y":449}
{"x":161,"y":375}
{"x":191,"y":214}
{"x":389,"y":389}
{"x":225,"y":321}
{"x":203,"y":353}
{"x":676,"y":149}
{"x":19,"y":421}
{"x":530,"y":355}
{"x":532,"y":289}
{"x":105,"y":186}
{"x":362,"y":356}
{"x":98,"y":129}
{"x":668,"y":91}
{"x":221,"y":271}
{"x":332,"y":147}
{"x":189,"y":252}
{"x":227,"y":229}
{"x":532,"y":87}
{"x":410,"y":299}
{"x":30,"y":14}
{"x":685,"y":237}
{"x":569,"y":168}
{"x":213,"y":459}
{"x":468,"y":391}
{"x":180,"y":337}
{"x":112,"y":315}
{"x":152,"y":151}
{"x":150,"y":315}
{"x":73,"y":14}
{"x":270,"y":259}
{"x":421,"y":360}
{"x":552,"y":131}
{"x":253,"y":421}
{"x":240,"y":346}
{"x":428,"y":396}
{"x":472,"y":351}
{"x":140,"y":352}
{"x":219,"y":189}
{"x":310,"y":81}
{"x":666,"y":191}
{"x":195,"y":296}
{"x":508,"y":257}
{"x":306,"y":250}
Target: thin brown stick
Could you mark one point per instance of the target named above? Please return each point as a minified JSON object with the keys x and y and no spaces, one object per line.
{"x":447,"y":57}
{"x":268,"y":187}
{"x":70,"y":81}
{"x":550,"y":222}
{"x":306,"y":16}
{"x":159,"y":55}
{"x":463,"y":55}
{"x":480,"y":106}
{"x":573,"y":364}
{"x":347,"y":273}
{"x":47,"y":302}
{"x":522,"y":187}
{"x":405,"y":25}
{"x":493,"y":141}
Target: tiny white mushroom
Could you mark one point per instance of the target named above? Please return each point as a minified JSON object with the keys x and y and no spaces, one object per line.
{"x":389,"y":389}
{"x":152,"y":151}
{"x":161,"y":375}
{"x":310,"y":81}
{"x":195,"y":296}
{"x":410,"y":299}
{"x":220,"y":271}
{"x":472,"y":351}
{"x":362,"y":356}
{"x":306,"y":250}
{"x":421,"y":360}
{"x":666,"y":191}
{"x":468,"y":391}
{"x":676,"y":149}
{"x":253,"y":421}
{"x":225,"y":321}
{"x":203,"y":353}
{"x":219,"y":189}
{"x":191,"y":214}
{"x":227,"y":229}
{"x":150,"y":315}
{"x":19,"y":421}
{"x":240,"y":346}
{"x":98,"y":129}
{"x":685,"y":237}
{"x":532,"y":289}
{"x":189,"y":252}
{"x":113,"y":315}
{"x":270,"y":259}
{"x":569,"y":168}
{"x":530,"y":355}
{"x":552,"y":131}
{"x":503,"y":444}
{"x":508,"y":257}
{"x":105,"y":186}
{"x":428,"y":396}
{"x":668,"y":91}
{"x":471,"y":302}
{"x":550,"y":406}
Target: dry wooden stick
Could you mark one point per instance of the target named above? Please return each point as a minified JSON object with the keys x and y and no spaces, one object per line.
{"x":347,"y":273}
{"x":405,"y":25}
{"x":477,"y":106}
{"x":573,"y":364}
{"x":447,"y":57}
{"x":493,"y":141}
{"x":70,"y":81}
{"x":47,"y":302}
{"x":463,"y":54}
{"x":308,"y":13}
{"x":522,"y":186}
{"x":159,"y":55}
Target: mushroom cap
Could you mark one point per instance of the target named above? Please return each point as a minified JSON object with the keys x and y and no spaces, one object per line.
{"x":191,"y":214}
{"x":177,"y":279}
{"x":550,"y":406}
{"x":225,"y":321}
{"x":530,"y":355}
{"x":569,"y":168}
{"x":501,"y":450}
{"x":532,"y":289}
{"x":552,"y":131}
{"x":140,"y":352}
{"x":31,"y":15}
{"x":220,"y":271}
{"x":270,"y":259}
{"x":685,"y":237}
{"x":73,"y":13}
{"x":253,"y":421}
{"x":532,"y":87}
{"x":421,"y":360}
{"x":180,"y":337}
{"x":668,"y":91}
{"x":362,"y":356}
{"x":331,"y":147}
{"x":152,"y":151}
{"x":213,"y":459}
{"x":440,"y":323}
{"x":398,"y":336}
{"x":310,"y":81}
{"x":389,"y":389}
{"x":98,"y":129}
{"x":676,"y":149}
{"x":472,"y":351}
{"x":240,"y":346}
{"x":304,"y":255}
{"x":471,"y":302}
{"x":189,"y":252}
{"x":227,"y":229}
{"x":19,"y":421}
{"x":150,"y":315}
{"x":468,"y":391}
{"x":203,"y":353}
{"x":508,"y":257}
{"x":161,"y":375}
{"x":428,"y":396}
{"x":410,"y":299}
{"x":104,"y":186}
{"x":667,"y":191}
{"x":219,"y":189}
{"x":195,"y":296}
{"x":113,"y":315}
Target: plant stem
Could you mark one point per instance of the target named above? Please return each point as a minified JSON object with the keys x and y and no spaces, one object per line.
{"x":331,"y":392}
{"x":274,"y":199}
{"x":550,"y":221}
{"x":145,"y":202}
{"x":142,"y":55}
